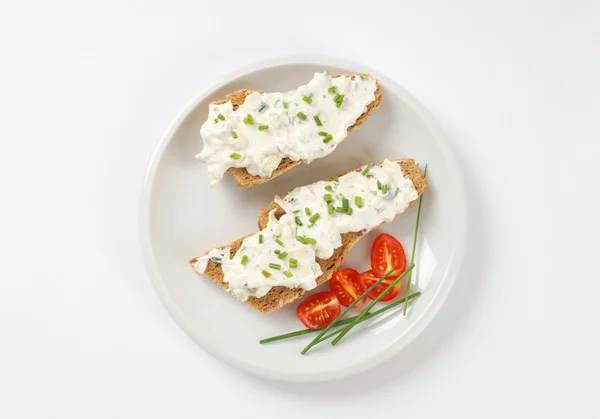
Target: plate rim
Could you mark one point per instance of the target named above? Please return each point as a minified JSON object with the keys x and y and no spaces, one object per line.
{"x":418,"y":324}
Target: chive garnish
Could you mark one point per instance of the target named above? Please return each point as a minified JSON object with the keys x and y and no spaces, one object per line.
{"x":307,"y":211}
{"x":301,"y":115}
{"x":244,"y":260}
{"x":279,"y":242}
{"x":340,"y":209}
{"x":260,"y":239}
{"x":307,"y":99}
{"x":358,"y":201}
{"x":298,"y":221}
{"x":249,"y":120}
{"x":345,"y":203}
{"x":317,"y":121}
{"x":274,"y":266}
{"x":293,"y":263}
{"x":285,"y":105}
{"x":296,"y":212}
{"x":336,"y":97}
{"x":266,"y":274}
{"x":330,"y":209}
{"x":314,"y":218}
{"x":361,"y":77}
{"x":310,"y":241}
{"x":277,"y":251}
{"x":338,"y":102}
{"x":234,"y":134}
{"x":288,"y":274}
{"x":327,"y":138}
{"x":282,"y":255}
{"x":235,"y":156}
{"x":329,"y":188}
{"x":263,"y":127}
{"x":378,"y":184}
{"x":221,"y":117}
{"x":216,"y":120}
{"x":301,"y":239}
{"x":364,"y":172}
{"x":385,"y":188}
{"x":349,"y":211}
{"x":262,"y":108}
{"x":328,"y":198}
{"x":332,"y":89}
{"x":336,"y":178}
{"x":322,"y":133}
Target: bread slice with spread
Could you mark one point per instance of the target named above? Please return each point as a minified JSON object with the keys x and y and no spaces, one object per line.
{"x":257,"y":136}
{"x":305,"y":236}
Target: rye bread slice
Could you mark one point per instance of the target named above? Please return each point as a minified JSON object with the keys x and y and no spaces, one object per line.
{"x":279,"y":296}
{"x":245,"y":179}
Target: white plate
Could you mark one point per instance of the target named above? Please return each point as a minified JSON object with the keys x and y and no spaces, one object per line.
{"x":182,"y":217}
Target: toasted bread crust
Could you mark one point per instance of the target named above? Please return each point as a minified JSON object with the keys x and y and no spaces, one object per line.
{"x":245,"y":179}
{"x":277,"y":297}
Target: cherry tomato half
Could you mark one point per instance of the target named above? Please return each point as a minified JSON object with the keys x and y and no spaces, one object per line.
{"x":347,"y":286}
{"x":387,"y":253}
{"x":369,"y":278}
{"x":318,"y":310}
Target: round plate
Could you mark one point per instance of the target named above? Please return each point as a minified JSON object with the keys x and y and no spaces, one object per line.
{"x":182,"y":217}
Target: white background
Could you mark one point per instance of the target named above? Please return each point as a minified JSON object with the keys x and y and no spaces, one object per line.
{"x":87,"y":89}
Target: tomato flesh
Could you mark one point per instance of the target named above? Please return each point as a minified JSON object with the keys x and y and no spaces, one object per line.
{"x":368,"y":278}
{"x":318,"y":310}
{"x":347,"y":286}
{"x":387,"y":253}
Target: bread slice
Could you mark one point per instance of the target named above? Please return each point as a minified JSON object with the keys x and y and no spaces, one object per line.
{"x":279,"y":296}
{"x":245,"y":179}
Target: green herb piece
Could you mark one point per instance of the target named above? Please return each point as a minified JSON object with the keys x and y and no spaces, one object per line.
{"x":310,"y":241}
{"x":285,"y":105}
{"x":317,"y":121}
{"x":277,"y":251}
{"x":235,"y":156}
{"x":274,"y":266}
{"x":322,"y":133}
{"x":384,"y":189}
{"x":332,"y":89}
{"x":307,"y":99}
{"x":298,"y":221}
{"x":244,"y":260}
{"x":361,"y":77}
{"x":263,"y":127}
{"x":349,"y":211}
{"x":234,"y":134}
{"x":412,"y":256}
{"x":249,"y":120}
{"x":216,"y":120}
{"x":263,"y":107}
{"x":370,"y":306}
{"x":221,"y":117}
{"x":296,"y":212}
{"x":260,"y":239}
{"x":330,"y":209}
{"x":288,"y":274}
{"x":301,"y":239}
{"x":345,"y":203}
{"x":358,"y":201}
{"x":336,"y":179}
{"x":328,"y":198}
{"x":266,"y":274}
{"x":314,"y":218}
{"x":378,"y":184}
{"x":327,"y":138}
{"x":340,"y":323}
{"x":337,"y":97}
{"x":307,"y":211}
{"x":301,"y":116}
{"x":293,"y":263}
{"x":339,"y":101}
{"x":329,"y":188}
{"x":364,"y":172}
{"x":279,"y":242}
{"x":282,"y":255}
{"x":340,"y":209}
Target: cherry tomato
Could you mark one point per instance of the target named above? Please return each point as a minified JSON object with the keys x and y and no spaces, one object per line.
{"x":369,"y":278}
{"x":387,"y":253}
{"x":347,"y":286}
{"x":318,"y":310}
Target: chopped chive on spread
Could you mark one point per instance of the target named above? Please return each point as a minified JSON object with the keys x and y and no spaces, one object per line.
{"x":301,"y":115}
{"x":216,"y":120}
{"x":301,"y":239}
{"x":336,"y":178}
{"x":277,"y":251}
{"x":358,"y":201}
{"x":314,"y":218}
{"x":322,"y":133}
{"x":244,"y":260}
{"x":384,"y":189}
{"x":337,"y":97}
{"x":338,"y":102}
{"x":340,"y":209}
{"x":330,"y":209}
{"x":364,"y":172}
{"x":234,"y":134}
{"x":274,"y":266}
{"x":307,"y":211}
{"x":327,"y":138}
{"x":298,"y":221}
{"x":263,"y":127}
{"x":328,"y":198}
{"x":263,"y":107}
{"x":285,"y":105}
{"x":296,"y":212}
{"x":282,"y":255}
{"x":288,"y":274}
{"x":260,"y":239}
{"x":317,"y":121}
{"x":329,"y":188}
{"x":248,"y":120}
{"x":266,"y":274}
{"x":307,"y":99}
{"x":279,"y":242}
{"x":349,"y":211}
{"x":378,"y":185}
{"x":310,"y":241}
{"x":361,"y":77}
{"x":293,"y":263}
{"x":221,"y":117}
{"x":332,"y":89}
{"x":345,"y":203}
{"x":235,"y":156}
